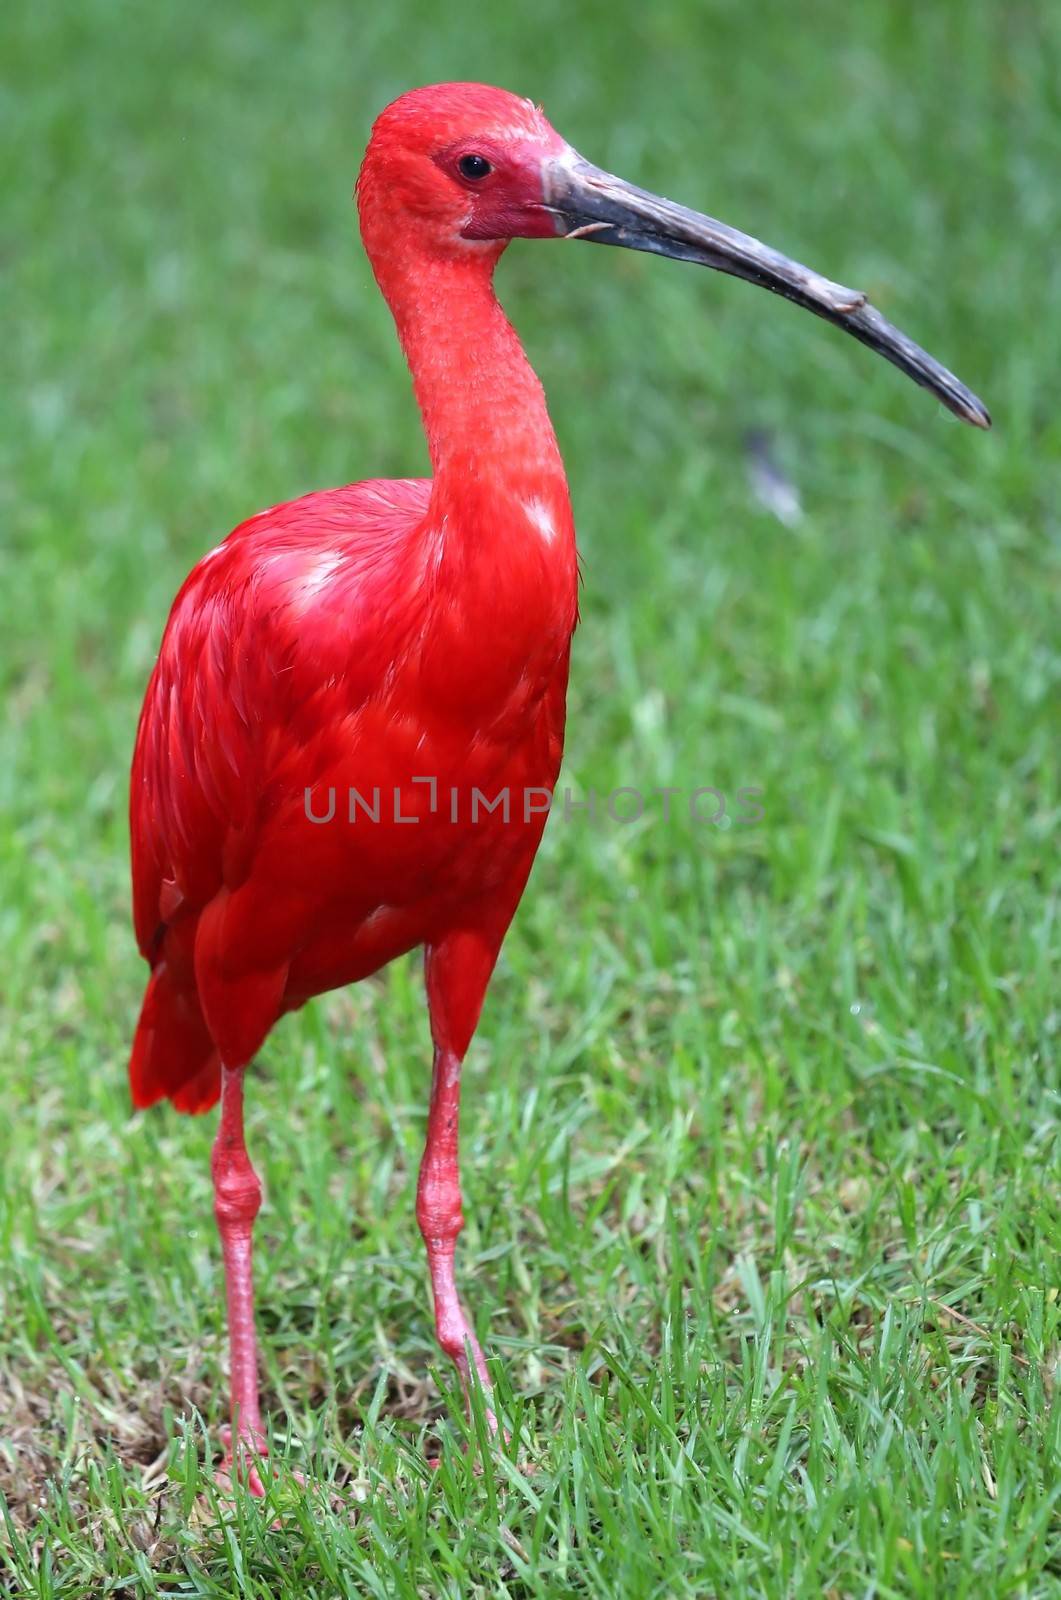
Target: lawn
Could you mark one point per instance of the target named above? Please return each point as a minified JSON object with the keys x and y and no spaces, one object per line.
{"x":761,"y":1124}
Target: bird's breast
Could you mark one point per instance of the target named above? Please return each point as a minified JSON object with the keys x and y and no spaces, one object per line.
{"x":505,"y":599}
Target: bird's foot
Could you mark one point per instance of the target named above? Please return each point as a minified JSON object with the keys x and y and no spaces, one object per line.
{"x":496,"y":1433}
{"x":240,"y":1463}
{"x":240,"y":1466}
{"x":498,"y":1439}
{"x":229,"y":1473}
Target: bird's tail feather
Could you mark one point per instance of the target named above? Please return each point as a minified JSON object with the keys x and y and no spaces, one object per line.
{"x":173,"y":1054}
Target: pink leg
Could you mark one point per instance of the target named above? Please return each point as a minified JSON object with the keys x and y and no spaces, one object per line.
{"x":457,"y":970}
{"x":237,"y":1198}
{"x":438,"y":1211}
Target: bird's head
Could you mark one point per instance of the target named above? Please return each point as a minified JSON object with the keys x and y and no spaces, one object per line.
{"x":456,"y":167}
{"x":456,"y":170}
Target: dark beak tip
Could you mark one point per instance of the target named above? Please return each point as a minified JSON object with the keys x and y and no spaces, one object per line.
{"x":973,"y":411}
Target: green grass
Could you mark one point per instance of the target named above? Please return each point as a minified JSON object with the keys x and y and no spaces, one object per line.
{"x":761,"y":1125}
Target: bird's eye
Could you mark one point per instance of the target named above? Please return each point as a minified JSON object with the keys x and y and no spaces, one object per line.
{"x":473,"y":167}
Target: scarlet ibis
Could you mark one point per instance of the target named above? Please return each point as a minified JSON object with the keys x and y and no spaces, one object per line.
{"x":350,"y":681}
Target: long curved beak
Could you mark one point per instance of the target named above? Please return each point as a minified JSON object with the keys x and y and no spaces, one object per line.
{"x":588,"y":203}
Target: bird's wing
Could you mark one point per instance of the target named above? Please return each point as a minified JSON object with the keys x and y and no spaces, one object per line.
{"x":289,"y":608}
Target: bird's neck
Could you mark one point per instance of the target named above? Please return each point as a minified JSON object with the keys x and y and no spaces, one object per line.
{"x":499,"y":524}
{"x":483,"y":407}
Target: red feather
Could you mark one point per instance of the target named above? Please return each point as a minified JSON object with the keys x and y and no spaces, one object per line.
{"x":333,"y":643}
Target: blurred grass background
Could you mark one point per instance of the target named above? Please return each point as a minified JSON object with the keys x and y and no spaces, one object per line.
{"x":761,"y":1125}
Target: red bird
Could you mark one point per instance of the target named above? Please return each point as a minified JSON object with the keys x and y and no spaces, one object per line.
{"x":357,"y":714}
